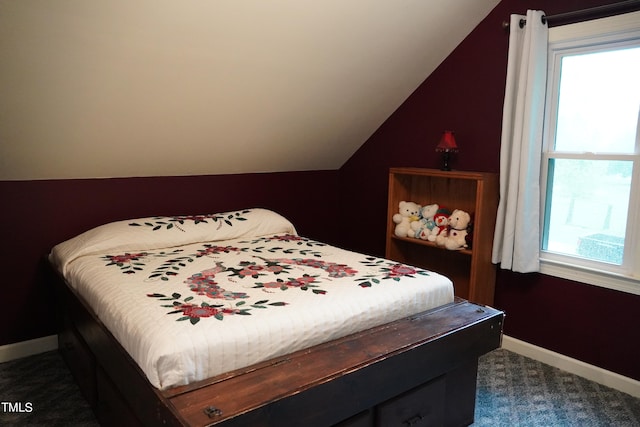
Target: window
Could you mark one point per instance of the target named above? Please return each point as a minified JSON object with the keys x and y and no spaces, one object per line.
{"x":591,"y":158}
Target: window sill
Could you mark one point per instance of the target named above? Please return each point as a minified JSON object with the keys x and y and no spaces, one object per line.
{"x":590,"y":276}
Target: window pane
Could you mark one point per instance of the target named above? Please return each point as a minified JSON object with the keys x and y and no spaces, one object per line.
{"x":587,"y":205}
{"x":599,"y":102}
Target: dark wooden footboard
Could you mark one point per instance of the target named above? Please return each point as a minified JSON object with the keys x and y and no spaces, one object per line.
{"x":419,"y":370}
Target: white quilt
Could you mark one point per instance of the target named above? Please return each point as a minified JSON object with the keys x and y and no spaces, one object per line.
{"x":196,"y":296}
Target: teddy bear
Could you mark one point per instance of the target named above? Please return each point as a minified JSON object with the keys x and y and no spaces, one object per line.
{"x":455,"y":235}
{"x":423,"y":226}
{"x":407,"y":213}
{"x":441,"y":219}
{"x":469,"y":236}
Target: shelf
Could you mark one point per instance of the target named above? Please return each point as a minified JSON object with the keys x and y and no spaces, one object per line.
{"x":415,"y":241}
{"x":471,"y":270}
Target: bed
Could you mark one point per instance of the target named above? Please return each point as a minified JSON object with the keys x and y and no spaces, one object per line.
{"x":235,"y":319}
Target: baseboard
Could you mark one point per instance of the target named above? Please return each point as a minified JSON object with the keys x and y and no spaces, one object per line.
{"x":28,"y":348}
{"x":574,"y":366}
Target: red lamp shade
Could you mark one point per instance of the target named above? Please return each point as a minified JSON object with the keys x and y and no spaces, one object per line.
{"x":446,"y":146}
{"x":447,"y":142}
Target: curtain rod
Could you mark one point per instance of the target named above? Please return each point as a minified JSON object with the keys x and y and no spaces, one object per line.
{"x":585,"y":14}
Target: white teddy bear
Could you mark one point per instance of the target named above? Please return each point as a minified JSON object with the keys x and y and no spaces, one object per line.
{"x":455,"y":236}
{"x":407,"y":213}
{"x":422,"y":227}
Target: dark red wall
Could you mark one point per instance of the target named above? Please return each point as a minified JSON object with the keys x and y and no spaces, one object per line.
{"x":36,"y":215}
{"x":465,"y":94}
{"x":588,"y":323}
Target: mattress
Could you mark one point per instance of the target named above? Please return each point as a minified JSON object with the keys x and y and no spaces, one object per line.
{"x":191,"y":297}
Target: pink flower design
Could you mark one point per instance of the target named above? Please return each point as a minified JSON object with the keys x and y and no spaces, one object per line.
{"x":215,"y":250}
{"x":334,"y":270}
{"x":340,"y":270}
{"x":250,"y":270}
{"x":204,"y":283}
{"x":127,"y":257}
{"x":399,"y":270}
{"x":197,"y":311}
{"x":301,"y":281}
{"x":273,"y":285}
{"x":195,"y":218}
{"x":314,"y":263}
{"x":194,"y":313}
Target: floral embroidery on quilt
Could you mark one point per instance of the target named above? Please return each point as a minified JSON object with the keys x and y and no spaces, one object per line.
{"x":128,"y":263}
{"x":256,"y":271}
{"x":169,"y":222}
{"x":288,"y":238}
{"x":281,"y":265}
{"x":132,"y":263}
{"x":217,"y":250}
{"x":304,"y":283}
{"x":204,"y":283}
{"x":389,"y":270}
{"x":194,"y":313}
{"x":171,"y":266}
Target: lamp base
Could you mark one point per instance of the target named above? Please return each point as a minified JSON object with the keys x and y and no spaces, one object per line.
{"x":445,"y":161}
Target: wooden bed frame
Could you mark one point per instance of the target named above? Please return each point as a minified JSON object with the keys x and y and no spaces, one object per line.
{"x":420,"y":370}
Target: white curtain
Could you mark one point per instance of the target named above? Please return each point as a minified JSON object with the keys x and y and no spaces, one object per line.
{"x":516,"y":243}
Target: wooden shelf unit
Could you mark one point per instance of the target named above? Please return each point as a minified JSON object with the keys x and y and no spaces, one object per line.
{"x":471,"y":270}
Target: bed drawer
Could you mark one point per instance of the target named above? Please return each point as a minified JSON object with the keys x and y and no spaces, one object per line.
{"x":79,"y":359}
{"x":363,"y":419}
{"x":422,"y":406}
{"x":112,"y":409}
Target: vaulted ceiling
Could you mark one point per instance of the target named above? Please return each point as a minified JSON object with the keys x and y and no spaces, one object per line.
{"x":148,"y":87}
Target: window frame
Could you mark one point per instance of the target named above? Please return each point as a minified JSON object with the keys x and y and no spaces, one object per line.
{"x":588,"y":36}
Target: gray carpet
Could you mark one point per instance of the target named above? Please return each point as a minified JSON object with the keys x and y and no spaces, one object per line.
{"x":512,"y":391}
{"x":45,"y":382}
{"x":517,"y":391}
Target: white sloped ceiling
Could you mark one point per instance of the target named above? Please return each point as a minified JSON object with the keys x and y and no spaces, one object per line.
{"x":163,"y":87}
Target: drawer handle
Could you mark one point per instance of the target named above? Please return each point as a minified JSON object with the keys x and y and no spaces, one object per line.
{"x":212,"y":412}
{"x":413,"y":420}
